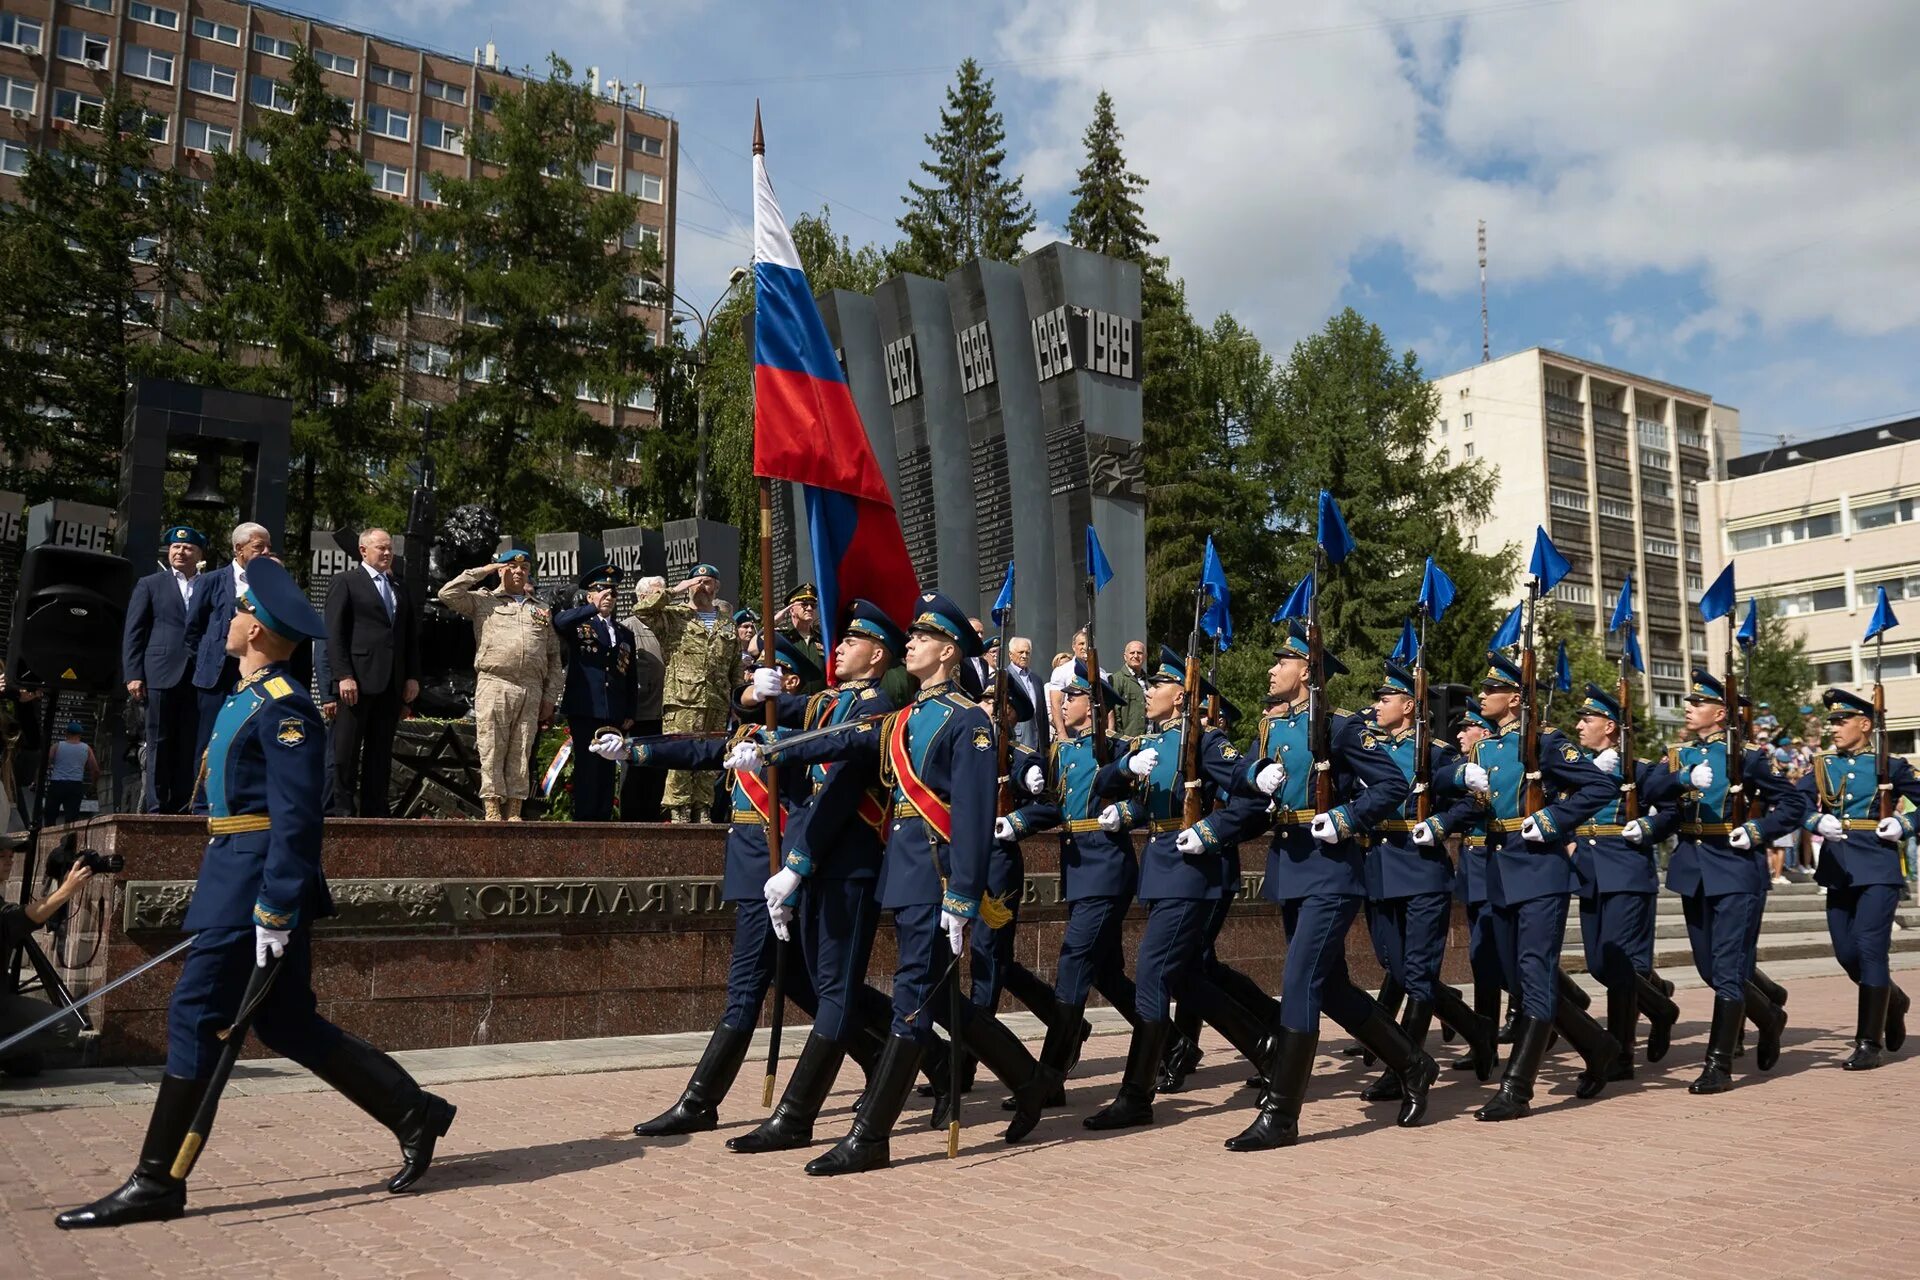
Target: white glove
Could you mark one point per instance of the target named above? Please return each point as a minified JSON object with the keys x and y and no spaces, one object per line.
{"x":1739,"y":838}
{"x":1423,"y":835}
{"x":1831,"y":828}
{"x":1635,"y":832}
{"x":1271,"y":778}
{"x":766,"y":685}
{"x":1530,"y":830}
{"x":1324,"y":830}
{"x":782,"y":917}
{"x":1141,"y":763}
{"x":780,"y":886}
{"x":1189,"y":842}
{"x":609,"y":746}
{"x":1889,"y":830}
{"x":1605,"y":761}
{"x":1003,"y":828}
{"x":1476,"y":776}
{"x":744,"y":758}
{"x":1034,"y":780}
{"x":1701,"y":777}
{"x":1110,"y":818}
{"x":267,"y":941}
{"x":956,"y":931}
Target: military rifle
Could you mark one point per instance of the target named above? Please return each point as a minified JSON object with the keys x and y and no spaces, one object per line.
{"x":1882,"y":750}
{"x":1188,"y":776}
{"x":1736,"y":808}
{"x":1533,"y":797}
{"x":1006,"y":802}
{"x":1319,"y":710}
{"x":1629,"y":786}
{"x":1422,"y":733}
{"x":1095,"y":692}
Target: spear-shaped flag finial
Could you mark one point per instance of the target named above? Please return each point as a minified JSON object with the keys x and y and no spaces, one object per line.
{"x":759,"y":134}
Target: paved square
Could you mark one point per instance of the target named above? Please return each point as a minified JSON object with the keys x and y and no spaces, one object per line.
{"x":1807,"y":1171}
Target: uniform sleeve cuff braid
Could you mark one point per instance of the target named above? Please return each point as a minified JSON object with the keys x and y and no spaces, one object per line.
{"x":956,"y":905}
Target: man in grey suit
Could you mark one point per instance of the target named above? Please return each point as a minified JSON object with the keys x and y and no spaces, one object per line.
{"x":1031,"y":732}
{"x":155,"y":659}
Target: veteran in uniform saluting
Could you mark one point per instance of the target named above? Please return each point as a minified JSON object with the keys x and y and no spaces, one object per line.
{"x":518,"y":676}
{"x":703,"y":664}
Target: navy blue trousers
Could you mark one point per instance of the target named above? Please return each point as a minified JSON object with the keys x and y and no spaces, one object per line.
{"x":1410,"y":937}
{"x":173,"y":727}
{"x":1483,"y":951}
{"x":1169,"y":949}
{"x":1616,"y":932}
{"x":838,"y":920}
{"x":1723,"y":932}
{"x":1529,"y":936}
{"x":750,"y":970}
{"x":1860,"y":922}
{"x":208,"y":995}
{"x":1091,"y":955}
{"x":593,"y":777}
{"x":1316,"y":976}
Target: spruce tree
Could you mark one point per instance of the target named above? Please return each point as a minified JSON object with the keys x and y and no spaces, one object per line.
{"x":969,"y":209}
{"x":1106,"y":215}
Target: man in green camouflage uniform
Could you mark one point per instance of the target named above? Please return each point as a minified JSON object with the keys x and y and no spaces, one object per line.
{"x":703,"y":664}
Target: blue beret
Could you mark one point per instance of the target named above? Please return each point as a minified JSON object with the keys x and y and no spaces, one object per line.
{"x":74,"y":726}
{"x":512,"y":555}
{"x":184,"y":533}
{"x":703,"y":570}
{"x":744,"y":615}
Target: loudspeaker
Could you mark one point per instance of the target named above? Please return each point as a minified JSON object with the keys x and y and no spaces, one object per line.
{"x":68,"y":615}
{"x":1446,"y":703}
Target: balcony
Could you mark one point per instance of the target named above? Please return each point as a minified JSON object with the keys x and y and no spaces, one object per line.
{"x":1604,"y":417}
{"x":1566,"y":406}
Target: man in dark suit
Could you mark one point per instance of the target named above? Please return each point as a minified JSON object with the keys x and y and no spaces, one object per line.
{"x":602,"y":688}
{"x":209,"y":614}
{"x":373,"y":647}
{"x":155,"y":660}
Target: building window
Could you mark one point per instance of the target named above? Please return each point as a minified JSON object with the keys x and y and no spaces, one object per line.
{"x":597,"y":174}
{"x":1905,"y":587}
{"x":208,"y":77}
{"x":1833,"y":670}
{"x":484,"y":103}
{"x":1442,"y":459}
{"x":258,"y":150}
{"x":1803,"y":529}
{"x":78,"y":108}
{"x":1616,"y":509}
{"x":154,"y":15}
{"x":647,"y":186}
{"x":1574,"y":593}
{"x":430,"y":358}
{"x":156,"y":127}
{"x":639,"y":236}
{"x":13,"y":158}
{"x":1663,"y":547}
{"x":20,"y":33}
{"x":1655,"y":489}
{"x":390,"y":178}
{"x":389,"y":123}
{"x":83,"y":46}
{"x":1793,"y":604}
{"x":1652,"y":434}
{"x":20,"y":96}
{"x":98,"y":6}
{"x":456,"y":94}
{"x":273,"y":46}
{"x":438,"y":303}
{"x":208,"y":29}
{"x":338,"y":63}
{"x":1466,"y":422}
{"x":1466,"y":451}
{"x":1668,"y":670}
{"x":442,"y":136}
{"x":1566,"y":499}
{"x":646,"y":144}
{"x":381,"y":347}
{"x":392,"y":77}
{"x":1656,"y":459}
{"x":639,"y":398}
{"x":264,"y":91}
{"x":1666,"y":701}
{"x":429,"y":190}
{"x":201,"y":136}
{"x":1882,"y":515}
{"x":1691,"y":437}
{"x":144,"y":248}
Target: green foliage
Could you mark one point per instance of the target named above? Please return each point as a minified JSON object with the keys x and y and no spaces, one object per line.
{"x":1587,"y":657}
{"x":86,"y":255}
{"x":969,"y":209}
{"x":1782,"y":675}
{"x":1106,"y":216}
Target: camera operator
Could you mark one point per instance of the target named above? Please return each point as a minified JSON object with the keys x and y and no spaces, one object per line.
{"x":16,"y":922}
{"x":17,"y":1011}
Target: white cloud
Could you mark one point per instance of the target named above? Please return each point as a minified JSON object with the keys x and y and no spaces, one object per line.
{"x":1766,"y":145}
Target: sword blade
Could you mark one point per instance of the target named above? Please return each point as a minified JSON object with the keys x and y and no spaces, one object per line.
{"x":65,"y":1012}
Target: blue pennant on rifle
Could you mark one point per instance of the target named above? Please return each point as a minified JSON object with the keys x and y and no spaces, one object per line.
{"x":1216,"y":620}
{"x":1562,"y":671}
{"x":1623,"y":607}
{"x":1883,"y":619}
{"x":1436,"y":591}
{"x":1408,"y":648}
{"x":1749,"y":633}
{"x":1333,"y":535}
{"x":1509,"y":633}
{"x":1718,"y":600}
{"x":1548,"y":566}
{"x":1633,"y":650}
{"x":1299,"y":604}
{"x":1004,"y":601}
{"x":1097,"y":567}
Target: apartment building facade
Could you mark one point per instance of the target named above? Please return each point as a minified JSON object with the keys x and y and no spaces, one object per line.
{"x":1815,"y":530}
{"x":206,"y":71}
{"x":1610,"y":463}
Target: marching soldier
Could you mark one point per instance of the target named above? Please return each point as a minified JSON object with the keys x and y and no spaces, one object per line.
{"x":703,"y":663}
{"x":1470,"y":886}
{"x":259,"y":892}
{"x":517,"y":675}
{"x":1527,"y":890}
{"x":1860,"y":867}
{"x":602,"y":688}
{"x":1720,"y":872}
{"x":1619,"y":890}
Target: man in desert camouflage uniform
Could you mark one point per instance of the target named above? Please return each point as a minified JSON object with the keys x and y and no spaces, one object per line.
{"x":518,"y":676}
{"x":703,"y":664}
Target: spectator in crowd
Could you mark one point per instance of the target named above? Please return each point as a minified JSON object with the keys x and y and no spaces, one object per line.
{"x":799,"y":621}
{"x":20,"y":747}
{"x":1130,"y":718}
{"x":640,"y":793}
{"x":72,"y":771}
{"x":601,"y":688}
{"x":1063,"y":676}
{"x":702,"y":666}
{"x":746,"y":631}
{"x":517,"y":675}
{"x":373,"y":646}
{"x":1031,"y":732}
{"x":209,"y":614}
{"x":157,"y":665}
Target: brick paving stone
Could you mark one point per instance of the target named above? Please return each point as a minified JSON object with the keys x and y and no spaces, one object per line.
{"x":541,"y":1177}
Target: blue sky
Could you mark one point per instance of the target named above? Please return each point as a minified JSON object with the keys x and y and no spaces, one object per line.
{"x":1719,"y":194}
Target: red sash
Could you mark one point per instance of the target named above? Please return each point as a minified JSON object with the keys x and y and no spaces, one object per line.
{"x":934,"y":811}
{"x":873,"y":812}
{"x":755,"y":788}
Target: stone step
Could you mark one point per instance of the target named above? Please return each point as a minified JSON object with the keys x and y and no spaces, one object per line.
{"x":1674,"y":952}
{"x":1779,"y":918}
{"x":1780,"y":891}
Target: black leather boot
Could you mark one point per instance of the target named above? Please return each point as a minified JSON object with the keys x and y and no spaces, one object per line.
{"x":1278,"y":1124}
{"x":1397,"y":1052}
{"x":1476,"y":1029}
{"x":1133,"y":1105}
{"x":1249,"y":994}
{"x":1026,"y":986}
{"x":1897,"y":1006}
{"x":1510,"y":1029}
{"x":1717,"y":1075}
{"x":1416,"y":1020}
{"x":152,"y":1194}
{"x":1772,"y":990}
{"x":1486,"y":1005}
{"x":698,"y":1108}
{"x":1182,"y":1054}
{"x":381,"y":1087}
{"x":791,"y":1124}
{"x":1655,"y":996}
{"x":1513,"y":1098}
{"x":1391,"y":994}
{"x":1061,"y":1046}
{"x":1243,"y":1028}
{"x":1770,"y":1019}
{"x":1598,"y":1050}
{"x":936,"y":1063}
{"x":989,"y":1040}
{"x":1623,"y":1020}
{"x":865,"y":1146}
{"x":1870,"y":1030}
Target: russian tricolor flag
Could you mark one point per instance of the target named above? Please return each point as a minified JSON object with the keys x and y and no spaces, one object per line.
{"x":807,"y":430}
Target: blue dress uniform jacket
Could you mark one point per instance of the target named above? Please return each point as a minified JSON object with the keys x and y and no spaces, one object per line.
{"x":602,"y":677}
{"x":1702,"y":860}
{"x":266,"y":760}
{"x":1847,"y":787}
{"x":747,"y":865}
{"x":1093,"y":863}
{"x":1519,"y":870}
{"x":1604,"y":860}
{"x":1367,"y":786}
{"x":1165,"y":872}
{"x":1396,"y":867}
{"x":832,"y":841}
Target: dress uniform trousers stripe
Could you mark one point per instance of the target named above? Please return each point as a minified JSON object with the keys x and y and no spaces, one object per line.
{"x":1723,"y":930}
{"x":1529,"y":934}
{"x":1410,"y":937}
{"x":1316,"y":976}
{"x":212,"y":984}
{"x":1616,"y":932}
{"x":1860,"y":921}
{"x":750,"y":969}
